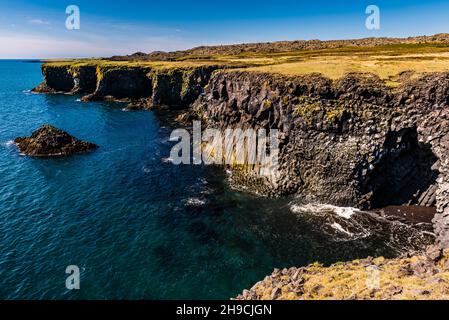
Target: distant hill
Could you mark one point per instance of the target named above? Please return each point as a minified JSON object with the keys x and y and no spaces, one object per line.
{"x":279,"y":46}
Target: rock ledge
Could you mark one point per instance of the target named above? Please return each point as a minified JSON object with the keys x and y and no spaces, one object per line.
{"x":422,"y":276}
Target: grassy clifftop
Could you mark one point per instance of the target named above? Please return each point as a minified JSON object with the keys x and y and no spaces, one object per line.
{"x":387,"y":59}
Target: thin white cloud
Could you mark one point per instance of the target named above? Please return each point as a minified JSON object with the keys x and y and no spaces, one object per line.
{"x":39,"y":22}
{"x":27,"y":46}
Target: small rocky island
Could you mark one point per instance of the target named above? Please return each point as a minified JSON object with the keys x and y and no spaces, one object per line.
{"x":48,"y":141}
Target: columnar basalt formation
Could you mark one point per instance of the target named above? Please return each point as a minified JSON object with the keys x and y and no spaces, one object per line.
{"x":349,"y":142}
{"x":181,"y":86}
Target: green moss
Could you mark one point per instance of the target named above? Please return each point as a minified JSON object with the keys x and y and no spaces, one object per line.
{"x":306,"y":109}
{"x":334,"y":114}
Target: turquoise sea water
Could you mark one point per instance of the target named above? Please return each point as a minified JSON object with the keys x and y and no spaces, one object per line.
{"x":140,"y":227}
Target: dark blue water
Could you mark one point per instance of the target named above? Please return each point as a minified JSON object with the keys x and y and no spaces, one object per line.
{"x":140,"y":227}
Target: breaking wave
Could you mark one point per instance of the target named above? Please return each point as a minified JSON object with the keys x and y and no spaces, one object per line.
{"x":194,"y":202}
{"x":167,"y":160}
{"x":8,"y":143}
{"x":347,"y":224}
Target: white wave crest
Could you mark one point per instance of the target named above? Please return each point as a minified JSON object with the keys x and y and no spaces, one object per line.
{"x":167,"y":160}
{"x":8,"y":143}
{"x":344,"y":212}
{"x":338,"y":227}
{"x":194,"y":202}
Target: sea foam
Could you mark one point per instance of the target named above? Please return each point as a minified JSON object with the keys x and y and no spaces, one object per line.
{"x":344,"y":212}
{"x":8,"y":143}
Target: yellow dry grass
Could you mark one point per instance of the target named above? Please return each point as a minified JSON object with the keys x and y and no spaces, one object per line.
{"x":379,"y":279}
{"x":334,"y":67}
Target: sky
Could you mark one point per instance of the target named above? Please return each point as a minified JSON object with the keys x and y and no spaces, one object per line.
{"x":37,"y":29}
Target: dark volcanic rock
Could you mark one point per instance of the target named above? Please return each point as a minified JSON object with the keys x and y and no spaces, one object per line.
{"x":131,"y":82}
{"x":142,"y":87}
{"x":350,"y":142}
{"x":85,"y":79}
{"x":412,"y":277}
{"x":141,"y":104}
{"x":56,"y":79}
{"x":48,"y":141}
{"x":43,"y":88}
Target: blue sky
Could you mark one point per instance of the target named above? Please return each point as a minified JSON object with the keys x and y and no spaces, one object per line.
{"x":36,"y":29}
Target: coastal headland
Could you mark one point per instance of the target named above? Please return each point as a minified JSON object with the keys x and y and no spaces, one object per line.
{"x":363,"y":123}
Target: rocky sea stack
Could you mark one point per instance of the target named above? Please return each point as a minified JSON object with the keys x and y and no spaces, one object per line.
{"x":48,"y":141}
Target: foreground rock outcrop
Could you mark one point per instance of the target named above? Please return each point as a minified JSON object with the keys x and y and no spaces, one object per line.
{"x":48,"y":141}
{"x":423,"y":277}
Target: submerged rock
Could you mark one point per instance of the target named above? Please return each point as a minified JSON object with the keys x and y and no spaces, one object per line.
{"x":43,"y":88}
{"x":48,"y":141}
{"x":141,"y":104}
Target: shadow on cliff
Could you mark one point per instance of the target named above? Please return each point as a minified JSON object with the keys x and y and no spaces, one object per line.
{"x":405,"y":174}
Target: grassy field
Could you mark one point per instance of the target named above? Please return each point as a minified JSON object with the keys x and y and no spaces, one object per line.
{"x":386,"y":61}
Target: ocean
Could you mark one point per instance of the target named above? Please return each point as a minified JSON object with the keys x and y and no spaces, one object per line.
{"x":139,"y":227}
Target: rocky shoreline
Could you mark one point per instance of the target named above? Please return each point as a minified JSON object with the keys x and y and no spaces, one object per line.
{"x":352,"y":142}
{"x":349,"y":142}
{"x":417,"y":276}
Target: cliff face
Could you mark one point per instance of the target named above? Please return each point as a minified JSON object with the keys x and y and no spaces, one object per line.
{"x":180,"y":87}
{"x":350,"y":142}
{"x":56,"y":79}
{"x":121,"y":83}
{"x":177,"y":87}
